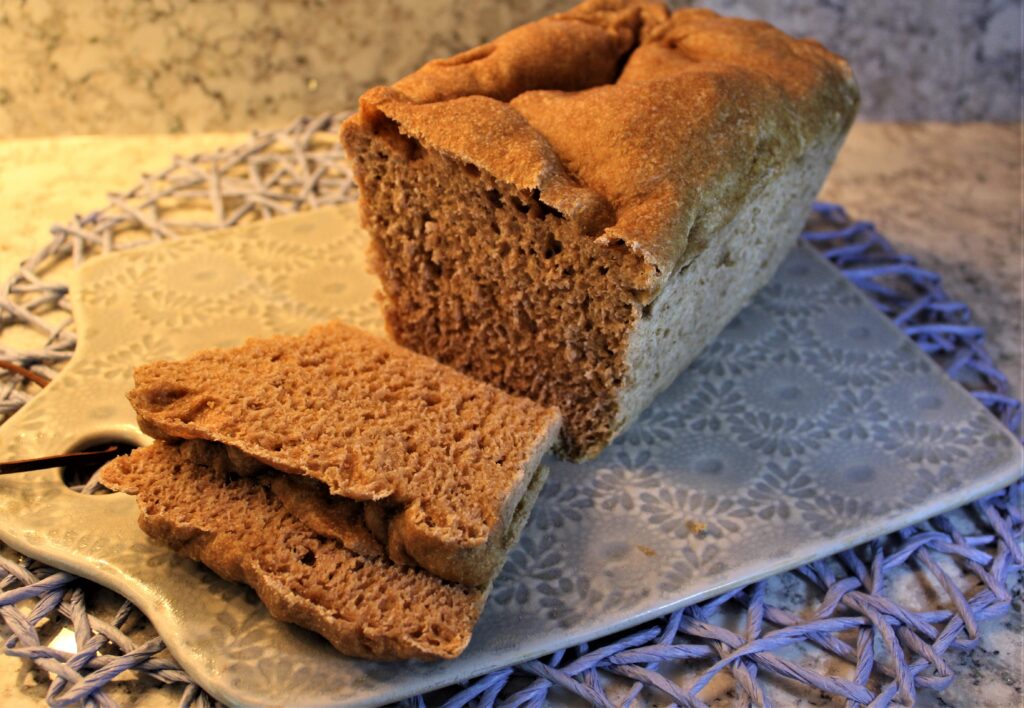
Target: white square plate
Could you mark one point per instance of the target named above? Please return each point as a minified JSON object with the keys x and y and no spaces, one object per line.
{"x":811,"y":425}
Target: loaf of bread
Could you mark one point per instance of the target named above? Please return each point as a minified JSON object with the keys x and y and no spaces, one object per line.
{"x":576,"y":209}
{"x":233,"y":522}
{"x":391,"y":453}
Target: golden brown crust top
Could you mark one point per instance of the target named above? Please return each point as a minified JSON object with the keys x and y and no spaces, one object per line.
{"x":649,"y":128}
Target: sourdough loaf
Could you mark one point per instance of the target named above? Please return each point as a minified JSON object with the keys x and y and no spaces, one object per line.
{"x":404,"y":456}
{"x":574,"y":210}
{"x":232,"y":521}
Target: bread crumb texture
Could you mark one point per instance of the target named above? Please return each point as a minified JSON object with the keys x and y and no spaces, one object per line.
{"x":428,"y":464}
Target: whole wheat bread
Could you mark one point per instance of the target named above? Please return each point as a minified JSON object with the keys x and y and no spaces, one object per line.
{"x":233,"y":523}
{"x":330,"y":516}
{"x":436,"y":461}
{"x":575,"y":209}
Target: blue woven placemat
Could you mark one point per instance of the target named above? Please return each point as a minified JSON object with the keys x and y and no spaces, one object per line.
{"x":888,"y":650}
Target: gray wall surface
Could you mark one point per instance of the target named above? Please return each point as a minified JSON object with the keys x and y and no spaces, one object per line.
{"x":946,"y":60}
{"x":152,"y":66}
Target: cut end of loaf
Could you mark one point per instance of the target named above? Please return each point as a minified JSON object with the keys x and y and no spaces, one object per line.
{"x":485,"y":278}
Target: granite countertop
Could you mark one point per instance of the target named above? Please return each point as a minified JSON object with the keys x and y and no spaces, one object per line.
{"x":180,"y":66}
{"x":948,"y":194}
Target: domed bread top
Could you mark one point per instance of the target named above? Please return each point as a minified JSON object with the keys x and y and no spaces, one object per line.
{"x":648,"y":128}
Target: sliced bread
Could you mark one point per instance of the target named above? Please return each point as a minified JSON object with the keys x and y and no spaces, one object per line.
{"x":366,"y":606}
{"x":437,"y":461}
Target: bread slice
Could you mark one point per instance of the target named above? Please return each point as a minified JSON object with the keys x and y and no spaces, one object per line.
{"x":574,"y":210}
{"x":233,"y":523}
{"x":436,"y":461}
{"x":333,"y":517}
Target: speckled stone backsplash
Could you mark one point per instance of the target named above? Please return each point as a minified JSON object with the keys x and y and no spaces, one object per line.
{"x":155,"y":66}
